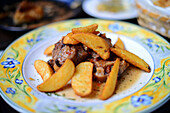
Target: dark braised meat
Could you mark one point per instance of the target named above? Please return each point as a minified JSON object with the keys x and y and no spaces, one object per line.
{"x":78,"y":53}
{"x":108,"y":40}
{"x":123,"y":66}
{"x":61,"y":52}
{"x":102,"y":68}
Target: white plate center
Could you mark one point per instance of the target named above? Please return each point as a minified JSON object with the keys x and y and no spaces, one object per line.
{"x":33,"y":78}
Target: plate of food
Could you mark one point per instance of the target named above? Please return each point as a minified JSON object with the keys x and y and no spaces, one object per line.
{"x":86,"y":65}
{"x":111,"y":9}
{"x":26,"y":15}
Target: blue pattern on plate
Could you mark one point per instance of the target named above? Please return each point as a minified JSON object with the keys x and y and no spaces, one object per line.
{"x":115,"y":27}
{"x":18,"y":81}
{"x":157,"y":79}
{"x":10,"y":63}
{"x":144,"y":99}
{"x":10,"y":91}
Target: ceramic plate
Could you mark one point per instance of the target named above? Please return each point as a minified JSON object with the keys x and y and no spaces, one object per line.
{"x":18,"y":77}
{"x":90,"y":7}
{"x":1,"y":53}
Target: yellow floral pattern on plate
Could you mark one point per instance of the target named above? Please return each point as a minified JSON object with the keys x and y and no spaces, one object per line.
{"x":22,"y":97}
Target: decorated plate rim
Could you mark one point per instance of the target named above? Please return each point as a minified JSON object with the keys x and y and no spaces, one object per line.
{"x":19,"y":108}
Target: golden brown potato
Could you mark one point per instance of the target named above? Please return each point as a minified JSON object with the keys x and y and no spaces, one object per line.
{"x":82,"y":79}
{"x":58,"y":79}
{"x":44,"y":69}
{"x":48,"y":50}
{"x":69,"y":40}
{"x":111,"y":81}
{"x":96,"y":43}
{"x":131,"y":58}
{"x":88,"y":29}
{"x":119,"y":44}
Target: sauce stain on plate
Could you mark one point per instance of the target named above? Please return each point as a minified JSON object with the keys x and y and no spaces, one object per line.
{"x":127,"y":79}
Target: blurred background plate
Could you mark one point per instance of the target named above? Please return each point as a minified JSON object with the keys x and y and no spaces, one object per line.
{"x":155,"y":15}
{"x":54,"y":10}
{"x":106,"y":9}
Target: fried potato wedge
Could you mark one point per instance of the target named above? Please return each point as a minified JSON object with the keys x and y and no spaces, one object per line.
{"x":131,"y":58}
{"x":58,"y":79}
{"x":49,"y":49}
{"x":96,"y":43}
{"x":44,"y":69}
{"x":88,"y":29}
{"x":69,"y":40}
{"x":82,"y":80}
{"x":111,"y":81}
{"x":119,"y":44}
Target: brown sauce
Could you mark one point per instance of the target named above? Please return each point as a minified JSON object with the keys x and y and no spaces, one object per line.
{"x":127,"y":79}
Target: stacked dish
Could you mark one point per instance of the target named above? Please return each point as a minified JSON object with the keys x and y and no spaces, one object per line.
{"x":155,"y":15}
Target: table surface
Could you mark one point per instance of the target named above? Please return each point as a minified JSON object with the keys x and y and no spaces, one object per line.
{"x":7,"y":37}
